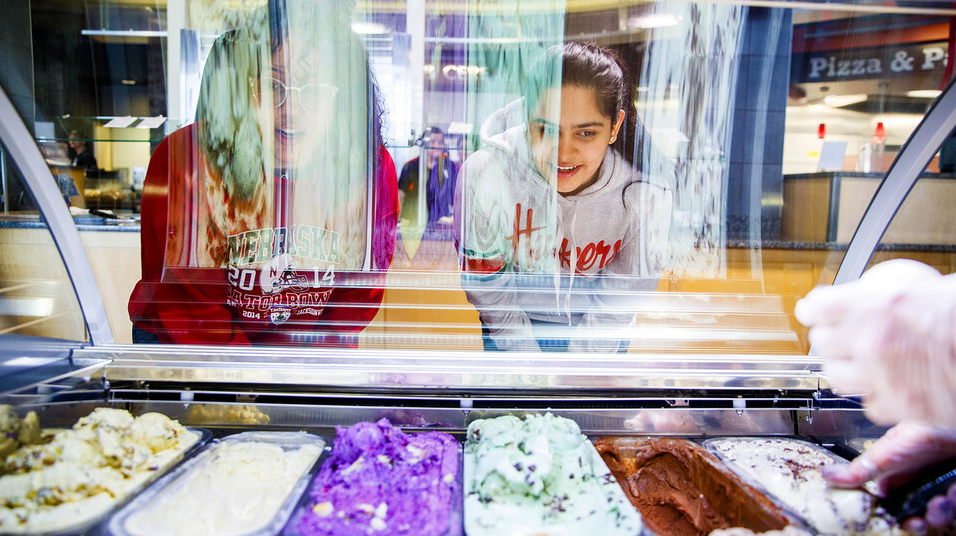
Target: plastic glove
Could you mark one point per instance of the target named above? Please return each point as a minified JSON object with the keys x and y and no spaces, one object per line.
{"x":906,"y":450}
{"x":890,"y":336}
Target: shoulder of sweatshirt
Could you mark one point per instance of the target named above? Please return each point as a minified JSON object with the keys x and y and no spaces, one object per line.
{"x":648,"y":198}
{"x":499,"y":155}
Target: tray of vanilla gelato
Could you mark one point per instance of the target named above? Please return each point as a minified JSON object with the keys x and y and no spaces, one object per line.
{"x":68,"y":481}
{"x":245,"y":484}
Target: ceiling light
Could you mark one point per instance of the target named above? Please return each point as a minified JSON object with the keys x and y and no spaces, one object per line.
{"x":924,"y":93}
{"x":652,"y":20}
{"x":460,"y":128}
{"x":837,"y":101}
{"x":368,"y":28}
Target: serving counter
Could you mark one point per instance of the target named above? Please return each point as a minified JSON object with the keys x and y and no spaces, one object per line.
{"x":242,"y":390}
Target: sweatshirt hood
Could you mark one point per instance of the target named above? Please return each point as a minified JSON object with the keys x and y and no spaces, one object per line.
{"x":506,"y":131}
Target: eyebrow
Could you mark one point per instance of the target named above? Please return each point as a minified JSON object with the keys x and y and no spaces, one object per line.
{"x":582,"y":125}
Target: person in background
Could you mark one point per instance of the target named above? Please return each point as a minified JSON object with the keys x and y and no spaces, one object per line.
{"x":272,"y":219}
{"x":891,"y":336}
{"x":441,"y":173}
{"x":556,"y":225}
{"x":81,"y":152}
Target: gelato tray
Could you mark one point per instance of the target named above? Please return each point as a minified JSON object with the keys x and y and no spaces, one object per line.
{"x":791,"y":471}
{"x":680,"y":489}
{"x":68,"y":483}
{"x":246,"y":484}
{"x":540,"y":476}
{"x":380,"y":480}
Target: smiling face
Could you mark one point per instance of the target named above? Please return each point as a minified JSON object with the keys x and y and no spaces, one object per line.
{"x":573,"y":148}
{"x":300,"y":103}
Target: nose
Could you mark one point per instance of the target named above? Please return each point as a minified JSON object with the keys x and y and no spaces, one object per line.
{"x":565,"y":146}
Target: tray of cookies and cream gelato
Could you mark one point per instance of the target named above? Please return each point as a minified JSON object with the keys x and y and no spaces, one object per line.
{"x":67,"y":481}
{"x":791,"y":471}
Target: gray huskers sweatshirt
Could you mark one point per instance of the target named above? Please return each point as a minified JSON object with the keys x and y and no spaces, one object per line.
{"x":530,"y":253}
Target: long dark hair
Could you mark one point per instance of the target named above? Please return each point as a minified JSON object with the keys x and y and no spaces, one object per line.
{"x":587,"y":65}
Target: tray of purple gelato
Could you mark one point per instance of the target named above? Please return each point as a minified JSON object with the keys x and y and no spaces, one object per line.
{"x":380,"y":480}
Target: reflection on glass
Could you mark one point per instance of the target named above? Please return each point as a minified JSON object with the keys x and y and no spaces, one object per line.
{"x":689,"y":76}
{"x":36,"y":293}
{"x":278,"y":216}
{"x":551,"y":208}
{"x":426,"y":191}
{"x":770,"y":127}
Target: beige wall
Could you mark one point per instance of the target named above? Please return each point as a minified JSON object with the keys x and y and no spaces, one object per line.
{"x":36,"y":296}
{"x":117,"y":267}
{"x":926,"y":216}
{"x":129,"y":148}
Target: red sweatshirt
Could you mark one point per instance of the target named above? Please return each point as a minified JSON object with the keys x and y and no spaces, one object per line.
{"x":250,"y":280}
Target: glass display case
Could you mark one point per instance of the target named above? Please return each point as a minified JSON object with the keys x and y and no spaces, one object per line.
{"x":411,"y":242}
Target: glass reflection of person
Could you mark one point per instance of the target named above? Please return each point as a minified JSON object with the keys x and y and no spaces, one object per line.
{"x":272,"y":219}
{"x":81,"y":153}
{"x":441,"y":173}
{"x":553,"y":192}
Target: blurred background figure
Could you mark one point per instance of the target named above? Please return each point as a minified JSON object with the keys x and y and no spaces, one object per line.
{"x":891,"y":337}
{"x":81,"y":152}
{"x":440,"y":172}
{"x":425,"y":229}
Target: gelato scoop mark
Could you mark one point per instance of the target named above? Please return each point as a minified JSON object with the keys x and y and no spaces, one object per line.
{"x":379,"y":480}
{"x":682,"y":490}
{"x":540,"y":476}
{"x":85,"y":471}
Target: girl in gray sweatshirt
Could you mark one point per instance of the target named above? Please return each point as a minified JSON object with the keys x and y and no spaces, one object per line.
{"x":558,"y":232}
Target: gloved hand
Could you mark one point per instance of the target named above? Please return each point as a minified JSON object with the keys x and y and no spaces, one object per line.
{"x":890,"y":336}
{"x":906,"y":450}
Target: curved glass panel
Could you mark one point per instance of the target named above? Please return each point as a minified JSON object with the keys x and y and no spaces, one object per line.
{"x":559,"y":175}
{"x":36,"y":296}
{"x":923,"y":227}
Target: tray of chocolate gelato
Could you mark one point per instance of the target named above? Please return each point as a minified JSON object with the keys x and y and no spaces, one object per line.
{"x":791,"y":471}
{"x":67,"y":483}
{"x":681,"y":489}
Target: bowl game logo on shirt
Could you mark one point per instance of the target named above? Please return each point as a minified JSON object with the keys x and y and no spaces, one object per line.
{"x":279,"y":314}
{"x":279,"y":273}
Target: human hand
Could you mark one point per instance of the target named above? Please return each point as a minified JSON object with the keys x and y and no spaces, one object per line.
{"x":889,"y":336}
{"x":905,"y":451}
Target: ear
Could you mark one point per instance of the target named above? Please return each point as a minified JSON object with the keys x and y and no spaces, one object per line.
{"x":617,"y":126}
